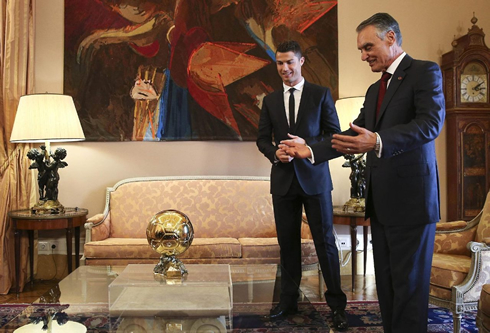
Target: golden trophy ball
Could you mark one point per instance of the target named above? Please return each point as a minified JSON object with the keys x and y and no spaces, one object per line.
{"x":170,"y":233}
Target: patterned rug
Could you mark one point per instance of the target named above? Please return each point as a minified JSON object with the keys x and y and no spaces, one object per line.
{"x":366,"y":317}
{"x":362,"y":316}
{"x":9,"y":312}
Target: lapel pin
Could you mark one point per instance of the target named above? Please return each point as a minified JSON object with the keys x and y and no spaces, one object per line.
{"x":400,"y":78}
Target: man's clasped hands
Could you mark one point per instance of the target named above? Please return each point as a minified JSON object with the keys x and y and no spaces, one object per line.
{"x":296,"y":146}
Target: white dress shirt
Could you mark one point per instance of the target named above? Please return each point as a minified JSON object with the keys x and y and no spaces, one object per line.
{"x":297,"y":98}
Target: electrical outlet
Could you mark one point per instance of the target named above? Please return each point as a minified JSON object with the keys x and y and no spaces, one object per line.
{"x":344,"y":242}
{"x":43,"y":247}
{"x":57,"y":246}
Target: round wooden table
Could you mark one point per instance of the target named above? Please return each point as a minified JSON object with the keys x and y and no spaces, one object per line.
{"x":71,"y":220}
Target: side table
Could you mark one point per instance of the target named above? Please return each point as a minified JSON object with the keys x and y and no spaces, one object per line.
{"x":71,"y":220}
{"x":353,"y":219}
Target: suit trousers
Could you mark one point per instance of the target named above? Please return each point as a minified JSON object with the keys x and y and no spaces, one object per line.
{"x":288,"y":212}
{"x":402,"y":263}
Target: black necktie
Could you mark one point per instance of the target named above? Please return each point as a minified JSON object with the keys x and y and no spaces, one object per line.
{"x":291,"y":109}
{"x":382,"y":90}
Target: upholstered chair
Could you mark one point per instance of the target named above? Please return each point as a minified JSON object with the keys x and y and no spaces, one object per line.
{"x":461,"y":264}
{"x":483,"y":315}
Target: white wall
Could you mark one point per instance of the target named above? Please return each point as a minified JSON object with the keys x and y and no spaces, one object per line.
{"x":428,"y":27}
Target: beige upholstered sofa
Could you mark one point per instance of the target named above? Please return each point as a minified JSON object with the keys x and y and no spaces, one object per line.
{"x":232,"y":218}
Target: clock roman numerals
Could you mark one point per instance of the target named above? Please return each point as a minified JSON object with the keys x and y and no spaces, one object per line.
{"x":474,"y":88}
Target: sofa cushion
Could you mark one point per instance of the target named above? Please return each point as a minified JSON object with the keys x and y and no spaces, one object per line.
{"x":259,"y":247}
{"x":139,"y":248}
{"x":119,"y":248}
{"x":204,"y":248}
{"x":269,"y":248}
{"x":448,"y":270}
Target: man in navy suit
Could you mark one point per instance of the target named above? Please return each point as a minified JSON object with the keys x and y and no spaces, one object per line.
{"x":398,"y":133}
{"x":307,"y":111}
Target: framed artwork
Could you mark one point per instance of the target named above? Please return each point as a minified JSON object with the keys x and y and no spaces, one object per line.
{"x":157,"y":70}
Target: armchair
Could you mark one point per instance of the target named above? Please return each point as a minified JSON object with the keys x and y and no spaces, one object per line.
{"x":461,"y":264}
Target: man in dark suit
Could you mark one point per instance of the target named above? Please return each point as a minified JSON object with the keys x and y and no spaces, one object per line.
{"x":398,"y":133}
{"x":309,"y":112}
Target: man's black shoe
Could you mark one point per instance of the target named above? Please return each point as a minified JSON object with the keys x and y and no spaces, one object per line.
{"x":281,"y":310}
{"x":339,"y":318}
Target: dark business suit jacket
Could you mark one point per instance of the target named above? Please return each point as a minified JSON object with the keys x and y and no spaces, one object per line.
{"x":404,"y":182}
{"x":316,"y":121}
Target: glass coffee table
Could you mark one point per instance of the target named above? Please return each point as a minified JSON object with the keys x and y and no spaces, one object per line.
{"x":130,"y":299}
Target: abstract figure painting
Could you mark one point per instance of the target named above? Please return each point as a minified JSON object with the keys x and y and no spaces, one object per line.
{"x":158,"y":70}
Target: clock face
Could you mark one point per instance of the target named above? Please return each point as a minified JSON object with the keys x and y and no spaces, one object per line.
{"x":474,"y":88}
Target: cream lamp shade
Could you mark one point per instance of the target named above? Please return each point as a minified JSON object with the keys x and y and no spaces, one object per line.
{"x":348,"y":109}
{"x":46,"y":117}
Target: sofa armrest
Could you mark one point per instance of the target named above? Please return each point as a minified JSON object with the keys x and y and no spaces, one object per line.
{"x":478,"y":274}
{"x":98,"y":227}
{"x":96,"y":219}
{"x":451,"y":226}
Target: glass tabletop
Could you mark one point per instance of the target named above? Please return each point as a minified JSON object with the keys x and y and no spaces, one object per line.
{"x":131,"y":299}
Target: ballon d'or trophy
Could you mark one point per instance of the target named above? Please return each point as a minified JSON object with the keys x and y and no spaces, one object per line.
{"x":170,"y":233}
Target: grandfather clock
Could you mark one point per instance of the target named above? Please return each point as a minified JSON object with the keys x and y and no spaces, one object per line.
{"x":466,"y":74}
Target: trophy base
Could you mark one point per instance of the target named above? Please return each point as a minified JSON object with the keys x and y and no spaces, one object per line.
{"x":170,"y":267}
{"x":355,"y":205}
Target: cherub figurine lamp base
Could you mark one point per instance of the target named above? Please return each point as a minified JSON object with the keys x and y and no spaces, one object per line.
{"x":357,"y":164}
{"x":47,"y":179}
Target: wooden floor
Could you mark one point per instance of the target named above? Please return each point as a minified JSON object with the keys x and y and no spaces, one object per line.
{"x":30,"y":292}
{"x":365,"y":290}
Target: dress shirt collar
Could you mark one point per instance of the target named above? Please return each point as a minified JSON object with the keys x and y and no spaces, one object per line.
{"x":298,"y":87}
{"x":395,"y":63}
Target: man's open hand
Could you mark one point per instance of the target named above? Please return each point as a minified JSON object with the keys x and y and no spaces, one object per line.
{"x":365,"y":141}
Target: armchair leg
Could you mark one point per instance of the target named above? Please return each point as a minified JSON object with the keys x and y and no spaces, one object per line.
{"x":457,"y":322}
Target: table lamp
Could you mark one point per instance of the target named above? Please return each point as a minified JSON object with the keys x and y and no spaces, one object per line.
{"x":348,"y":109}
{"x":47,"y":118}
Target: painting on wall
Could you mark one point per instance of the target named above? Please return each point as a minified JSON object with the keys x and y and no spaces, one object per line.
{"x":158,"y":70}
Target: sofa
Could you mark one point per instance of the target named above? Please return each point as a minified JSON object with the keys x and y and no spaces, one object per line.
{"x":232,"y":218}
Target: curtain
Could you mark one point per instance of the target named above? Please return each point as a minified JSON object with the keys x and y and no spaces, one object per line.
{"x":16,"y":185}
